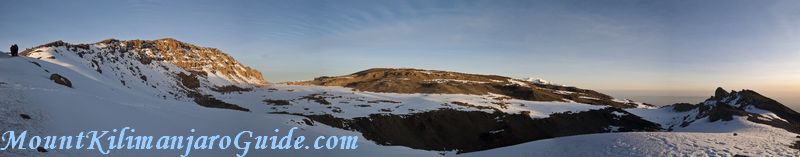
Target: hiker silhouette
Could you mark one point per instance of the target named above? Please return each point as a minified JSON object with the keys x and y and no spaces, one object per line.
{"x":14,"y":50}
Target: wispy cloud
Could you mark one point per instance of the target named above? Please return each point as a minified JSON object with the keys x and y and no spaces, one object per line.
{"x":593,"y":44}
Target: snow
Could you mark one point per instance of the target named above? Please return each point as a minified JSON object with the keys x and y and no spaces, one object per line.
{"x":652,"y":144}
{"x":764,"y":114}
{"x":99,"y":101}
{"x":563,"y":92}
{"x":537,"y":81}
{"x":586,"y":97}
{"x":103,"y":104}
{"x":617,"y":113}
{"x":541,"y":81}
{"x":496,"y":131}
{"x":454,"y":80}
{"x":664,"y":116}
{"x":638,"y":104}
{"x":362,"y":104}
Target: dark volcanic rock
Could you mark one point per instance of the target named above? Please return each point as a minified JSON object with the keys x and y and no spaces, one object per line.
{"x":683,"y":107}
{"x":448,"y":129}
{"x":61,"y":80}
{"x":230,"y":89}
{"x":721,"y":112}
{"x":25,"y":116}
{"x":277,"y":102}
{"x":720,"y":93}
{"x":41,"y":149}
{"x":208,"y":101}
{"x":189,"y":81}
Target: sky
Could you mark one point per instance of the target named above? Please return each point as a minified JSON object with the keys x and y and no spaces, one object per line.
{"x":674,"y":48}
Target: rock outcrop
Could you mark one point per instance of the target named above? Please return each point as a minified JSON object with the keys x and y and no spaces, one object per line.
{"x":165,"y":68}
{"x":724,"y":106}
{"x":61,"y":80}
{"x":445,"y":82}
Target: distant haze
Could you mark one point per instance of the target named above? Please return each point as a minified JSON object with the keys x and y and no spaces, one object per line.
{"x":661,"y":98}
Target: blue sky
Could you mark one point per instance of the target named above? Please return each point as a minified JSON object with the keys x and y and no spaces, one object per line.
{"x":659,"y":46}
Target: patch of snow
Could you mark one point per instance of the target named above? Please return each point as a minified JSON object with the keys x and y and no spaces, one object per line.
{"x":357,"y":103}
{"x":537,"y":81}
{"x":496,"y":131}
{"x":454,"y":80}
{"x":764,"y":113}
{"x":612,"y":128}
{"x":97,"y":102}
{"x":618,"y":113}
{"x":563,"y":92}
{"x":653,"y":144}
{"x":517,"y":82}
{"x":586,"y":97}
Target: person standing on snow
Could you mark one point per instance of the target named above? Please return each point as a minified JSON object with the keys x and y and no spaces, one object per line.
{"x":14,"y":50}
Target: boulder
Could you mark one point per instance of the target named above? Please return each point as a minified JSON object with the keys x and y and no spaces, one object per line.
{"x":61,"y":80}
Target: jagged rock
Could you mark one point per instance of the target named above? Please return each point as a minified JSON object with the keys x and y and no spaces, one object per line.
{"x":25,"y":116}
{"x":277,"y":102}
{"x":202,"y":60}
{"x":683,"y":107}
{"x":720,"y":93}
{"x":724,"y":106}
{"x":61,"y":80}
{"x":192,"y":58}
{"x":189,"y":70}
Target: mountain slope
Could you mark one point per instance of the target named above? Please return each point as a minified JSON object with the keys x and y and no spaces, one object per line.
{"x":164,"y":68}
{"x":764,"y":142}
{"x":95,"y":104}
{"x":165,"y":72}
{"x":465,"y":112}
{"x":157,"y":85}
{"x":739,"y":123}
{"x":723,"y":107}
{"x":445,"y":82}
{"x":204,"y":61}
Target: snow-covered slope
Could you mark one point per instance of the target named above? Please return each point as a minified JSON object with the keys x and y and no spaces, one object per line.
{"x":411,"y":81}
{"x":738,"y":123}
{"x":721,"y":108}
{"x":164,"y":68}
{"x":163,"y":55}
{"x":537,"y":80}
{"x":754,"y":141}
{"x":96,"y":102}
{"x":344,"y":103}
{"x":165,"y":87}
{"x":109,"y":85}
